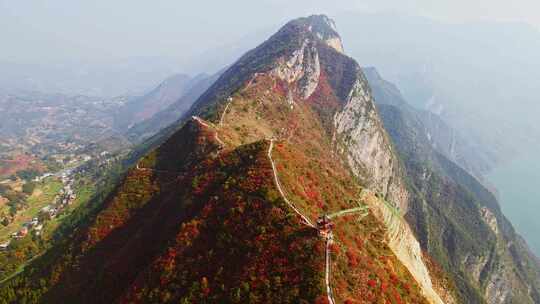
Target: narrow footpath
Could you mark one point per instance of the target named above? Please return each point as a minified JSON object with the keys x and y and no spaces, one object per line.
{"x":281,"y":192}
{"x":327,"y":275}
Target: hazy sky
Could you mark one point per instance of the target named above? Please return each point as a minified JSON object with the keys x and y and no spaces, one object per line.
{"x":52,"y":31}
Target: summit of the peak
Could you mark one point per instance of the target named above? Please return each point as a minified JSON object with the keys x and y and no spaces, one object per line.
{"x":322,"y":27}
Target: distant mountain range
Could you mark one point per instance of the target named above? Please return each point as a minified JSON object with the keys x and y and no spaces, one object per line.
{"x":174,"y":104}
{"x":131,"y":77}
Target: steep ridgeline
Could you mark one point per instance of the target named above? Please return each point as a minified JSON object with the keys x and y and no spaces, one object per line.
{"x":458,"y":221}
{"x":224,"y":210}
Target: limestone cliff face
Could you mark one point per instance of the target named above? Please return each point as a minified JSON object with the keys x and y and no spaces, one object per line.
{"x":361,"y":138}
{"x":325,"y":29}
{"x":490,"y":219}
{"x":303,"y":66}
{"x":499,"y":287}
{"x":336,"y":44}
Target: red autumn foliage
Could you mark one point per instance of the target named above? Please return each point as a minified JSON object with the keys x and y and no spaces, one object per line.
{"x":353,"y":258}
{"x":334,"y":248}
{"x":324,"y":94}
{"x":280,"y":88}
{"x":397,"y":297}
{"x":310,"y":189}
{"x":384,"y":287}
{"x":322,"y":299}
{"x":359,"y":242}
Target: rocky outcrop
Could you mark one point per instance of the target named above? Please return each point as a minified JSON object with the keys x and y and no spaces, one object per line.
{"x":325,"y":29}
{"x":475,"y":265}
{"x":490,"y":219}
{"x":360,"y":137}
{"x":499,"y":287}
{"x":303,"y":67}
{"x":336,"y":44}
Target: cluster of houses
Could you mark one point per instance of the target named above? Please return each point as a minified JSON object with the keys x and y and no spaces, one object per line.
{"x":34,"y":225}
{"x":65,"y":197}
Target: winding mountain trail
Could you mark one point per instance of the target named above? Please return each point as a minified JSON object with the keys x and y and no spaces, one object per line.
{"x":281,"y":192}
{"x":329,"y":238}
{"x":305,"y":219}
{"x":307,"y":222}
{"x":327,"y":274}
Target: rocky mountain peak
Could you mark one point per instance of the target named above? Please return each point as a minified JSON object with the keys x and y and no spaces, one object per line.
{"x":322,"y":27}
{"x":296,"y":54}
